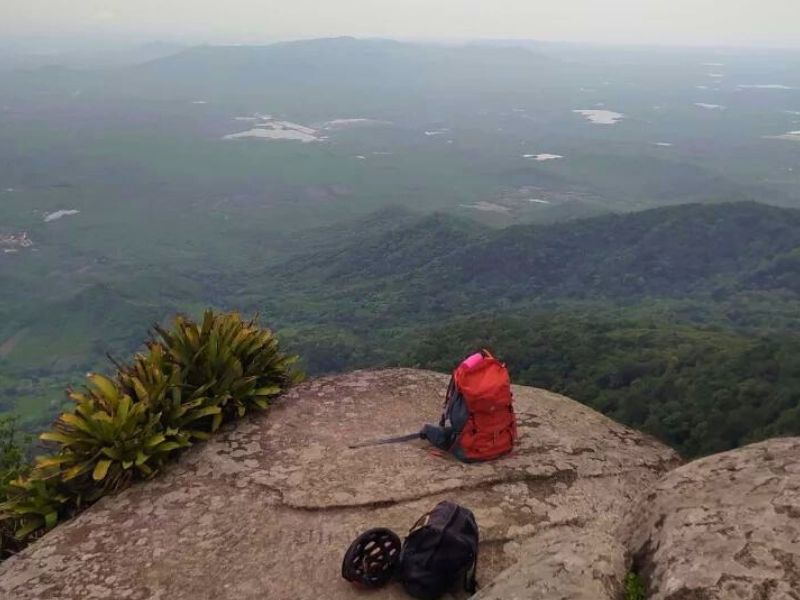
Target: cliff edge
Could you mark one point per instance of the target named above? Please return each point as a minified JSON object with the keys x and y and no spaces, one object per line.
{"x":267,"y":509}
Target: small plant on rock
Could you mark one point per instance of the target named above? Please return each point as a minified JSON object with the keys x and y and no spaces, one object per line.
{"x":634,"y":587}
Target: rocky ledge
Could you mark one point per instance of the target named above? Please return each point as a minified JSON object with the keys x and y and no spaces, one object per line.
{"x":723,"y":527}
{"x":267,"y":509}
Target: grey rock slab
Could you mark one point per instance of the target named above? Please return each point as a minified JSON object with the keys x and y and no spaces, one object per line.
{"x":266,"y":509}
{"x":725,"y":527}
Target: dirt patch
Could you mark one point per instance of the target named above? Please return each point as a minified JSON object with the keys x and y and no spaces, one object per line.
{"x":7,"y":347}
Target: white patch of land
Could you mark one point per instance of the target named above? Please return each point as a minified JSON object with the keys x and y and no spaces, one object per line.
{"x":663,"y":144}
{"x":436,"y":132}
{"x":716,"y":75}
{"x":601,"y":117}
{"x":702,"y":87}
{"x":255,"y":117}
{"x":9,"y":190}
{"x":54,"y":216}
{"x":488,"y":207}
{"x":708,"y":106}
{"x":542,"y":157}
{"x":277,"y":130}
{"x":199,"y":102}
{"x":340,"y":123}
{"x":7,"y":347}
{"x":538,"y":201}
{"x":793,"y":136}
{"x":361,"y":157}
{"x":343,"y":122}
{"x":796,"y":113}
{"x":713,"y":64}
{"x":765,"y":86}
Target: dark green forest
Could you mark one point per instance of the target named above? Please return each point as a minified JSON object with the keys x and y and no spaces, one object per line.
{"x":438,"y":265}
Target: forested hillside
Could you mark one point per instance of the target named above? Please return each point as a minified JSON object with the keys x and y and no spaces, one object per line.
{"x":439,"y":266}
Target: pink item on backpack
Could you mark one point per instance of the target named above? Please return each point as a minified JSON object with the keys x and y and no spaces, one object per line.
{"x":473,"y":360}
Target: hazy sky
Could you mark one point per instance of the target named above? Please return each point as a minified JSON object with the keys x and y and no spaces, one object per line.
{"x":723,"y":22}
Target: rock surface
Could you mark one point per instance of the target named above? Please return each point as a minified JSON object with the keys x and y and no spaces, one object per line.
{"x":266,"y":510}
{"x":726,"y":527}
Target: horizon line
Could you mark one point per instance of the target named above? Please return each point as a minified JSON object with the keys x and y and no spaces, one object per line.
{"x":143,"y":38}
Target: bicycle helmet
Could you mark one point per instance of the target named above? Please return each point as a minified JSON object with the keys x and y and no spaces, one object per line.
{"x":372,"y":558}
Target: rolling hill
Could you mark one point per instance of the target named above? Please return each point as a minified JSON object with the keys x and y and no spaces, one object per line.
{"x":440,"y":266}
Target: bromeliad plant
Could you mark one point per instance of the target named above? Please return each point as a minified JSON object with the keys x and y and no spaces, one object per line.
{"x":32,"y":506}
{"x":191,"y":379}
{"x":110,"y":437}
{"x":234,"y":364}
{"x":157,"y":382}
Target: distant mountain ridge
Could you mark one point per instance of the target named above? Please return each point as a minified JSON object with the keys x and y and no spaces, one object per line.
{"x":344,"y":62}
{"x":321,"y":53}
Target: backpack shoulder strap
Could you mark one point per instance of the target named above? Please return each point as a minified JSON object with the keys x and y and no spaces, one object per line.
{"x":448,"y":397}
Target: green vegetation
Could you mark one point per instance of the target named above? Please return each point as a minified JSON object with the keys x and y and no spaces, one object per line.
{"x":13,"y":464}
{"x":192,"y":379}
{"x":233,"y":365}
{"x":634,"y":588}
{"x":438,"y":266}
{"x":12,"y":448}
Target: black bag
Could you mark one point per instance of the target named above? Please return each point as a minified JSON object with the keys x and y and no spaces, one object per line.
{"x":441,"y":549}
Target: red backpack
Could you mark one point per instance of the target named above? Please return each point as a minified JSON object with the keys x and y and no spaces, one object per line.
{"x":478,"y":421}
